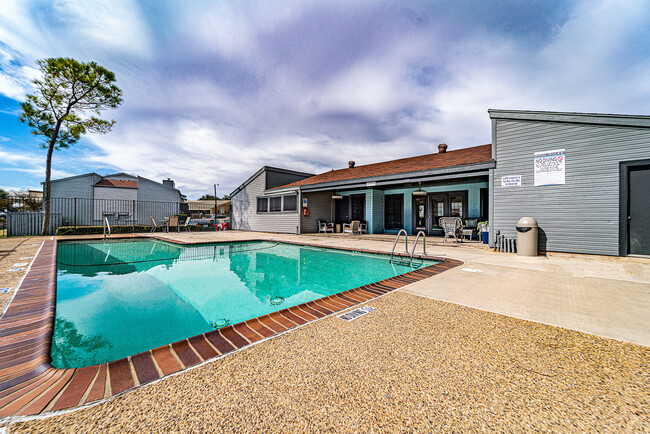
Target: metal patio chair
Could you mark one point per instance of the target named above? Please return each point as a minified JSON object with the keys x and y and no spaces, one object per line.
{"x":351,"y":228}
{"x":325,"y":227}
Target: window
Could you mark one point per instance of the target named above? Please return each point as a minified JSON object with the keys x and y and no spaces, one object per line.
{"x":276,"y":204}
{"x":262,"y":204}
{"x":290,"y":203}
{"x":393,"y":209}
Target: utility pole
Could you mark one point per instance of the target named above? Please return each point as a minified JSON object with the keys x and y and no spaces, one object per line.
{"x":215,"y":202}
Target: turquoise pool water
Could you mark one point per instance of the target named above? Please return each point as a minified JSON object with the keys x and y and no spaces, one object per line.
{"x":119,"y":298}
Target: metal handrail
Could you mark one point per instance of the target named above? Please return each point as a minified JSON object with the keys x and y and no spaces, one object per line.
{"x":406,"y":244}
{"x":107,"y":225}
{"x":424,"y":245}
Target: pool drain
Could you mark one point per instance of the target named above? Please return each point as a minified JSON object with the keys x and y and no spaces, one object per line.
{"x":221,"y":322}
{"x":277,"y":300}
{"x":356,"y":313}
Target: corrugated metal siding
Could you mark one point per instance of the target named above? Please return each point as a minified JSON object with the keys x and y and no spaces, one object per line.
{"x":245,"y":216}
{"x":581,"y":216}
{"x":319,"y":204}
{"x":81,"y":187}
{"x":28,"y":223}
{"x":155,"y":192}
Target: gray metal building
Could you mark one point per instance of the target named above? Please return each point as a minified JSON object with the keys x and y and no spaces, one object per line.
{"x":123,"y":199}
{"x":115,"y":186}
{"x":584,"y":177}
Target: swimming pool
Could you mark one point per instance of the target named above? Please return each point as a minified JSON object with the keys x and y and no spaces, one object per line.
{"x":118,"y":298}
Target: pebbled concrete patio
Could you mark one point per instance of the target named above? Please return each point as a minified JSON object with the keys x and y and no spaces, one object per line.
{"x":419,"y":364}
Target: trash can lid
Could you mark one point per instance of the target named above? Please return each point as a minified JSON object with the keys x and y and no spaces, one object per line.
{"x":527,"y":222}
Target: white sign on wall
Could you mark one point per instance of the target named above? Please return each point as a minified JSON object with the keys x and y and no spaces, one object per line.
{"x":304,"y":201}
{"x":511,"y":181}
{"x":549,"y":167}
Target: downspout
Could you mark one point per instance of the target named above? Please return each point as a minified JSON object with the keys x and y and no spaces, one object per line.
{"x":299,"y":207}
{"x":491,"y":186}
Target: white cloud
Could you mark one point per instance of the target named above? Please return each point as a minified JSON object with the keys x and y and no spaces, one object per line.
{"x":213,"y":91}
{"x":109,"y":25}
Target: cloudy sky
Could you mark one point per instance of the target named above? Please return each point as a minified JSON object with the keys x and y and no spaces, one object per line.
{"x":213,"y":90}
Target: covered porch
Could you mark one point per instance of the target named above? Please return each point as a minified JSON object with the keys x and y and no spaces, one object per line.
{"x":409,"y":205}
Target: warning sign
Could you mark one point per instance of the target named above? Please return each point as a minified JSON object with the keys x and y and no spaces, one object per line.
{"x":549,"y":167}
{"x":511,"y":181}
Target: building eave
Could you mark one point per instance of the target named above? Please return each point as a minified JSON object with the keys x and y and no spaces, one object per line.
{"x":641,"y":121}
{"x":461,"y":171}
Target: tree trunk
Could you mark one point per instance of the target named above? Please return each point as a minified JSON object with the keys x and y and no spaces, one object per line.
{"x":46,"y":189}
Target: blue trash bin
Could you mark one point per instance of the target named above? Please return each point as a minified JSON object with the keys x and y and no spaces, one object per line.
{"x":486,"y":237}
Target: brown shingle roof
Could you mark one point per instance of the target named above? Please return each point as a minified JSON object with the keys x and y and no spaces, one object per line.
{"x":117,"y":183}
{"x":476,"y":154}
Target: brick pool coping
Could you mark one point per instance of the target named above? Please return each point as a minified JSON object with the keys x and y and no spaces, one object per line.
{"x":30,"y":385}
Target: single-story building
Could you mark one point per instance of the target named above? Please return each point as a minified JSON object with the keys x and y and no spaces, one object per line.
{"x":584,"y":177}
{"x":207,"y":207}
{"x":409,"y":193}
{"x":253,"y":210}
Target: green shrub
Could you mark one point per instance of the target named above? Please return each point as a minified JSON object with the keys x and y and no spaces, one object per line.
{"x":117,"y":229}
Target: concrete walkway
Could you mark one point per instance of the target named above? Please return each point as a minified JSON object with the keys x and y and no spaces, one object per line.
{"x":605,"y":296}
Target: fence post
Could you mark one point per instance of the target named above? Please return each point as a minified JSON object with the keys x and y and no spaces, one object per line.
{"x":133,"y":213}
{"x":75,"y":216}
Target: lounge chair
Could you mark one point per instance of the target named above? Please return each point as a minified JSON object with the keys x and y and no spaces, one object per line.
{"x":325,"y":227}
{"x":155,"y":225}
{"x":452,"y":226}
{"x":351,"y":228}
{"x":173,"y":222}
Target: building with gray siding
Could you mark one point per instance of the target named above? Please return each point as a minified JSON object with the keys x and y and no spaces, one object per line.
{"x":584,"y":177}
{"x":120,"y":197}
{"x":410,"y":193}
{"x":254,"y":207}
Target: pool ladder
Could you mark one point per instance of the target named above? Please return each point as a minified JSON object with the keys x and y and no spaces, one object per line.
{"x":406,"y":245}
{"x":106,"y":226}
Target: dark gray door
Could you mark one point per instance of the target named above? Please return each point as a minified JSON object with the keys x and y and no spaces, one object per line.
{"x":342,"y":210}
{"x":358,"y":205}
{"x":639,"y":211}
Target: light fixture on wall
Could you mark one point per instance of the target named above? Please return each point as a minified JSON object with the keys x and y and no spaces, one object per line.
{"x":419,"y":191}
{"x":337,"y":196}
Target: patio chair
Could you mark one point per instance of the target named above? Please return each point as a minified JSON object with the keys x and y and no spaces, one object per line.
{"x":155,"y":225}
{"x":173,"y":222}
{"x":351,"y":228}
{"x":186,"y":224}
{"x":451,"y":226}
{"x":325,"y":227}
{"x":363,"y":227}
{"x":470,"y":228}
